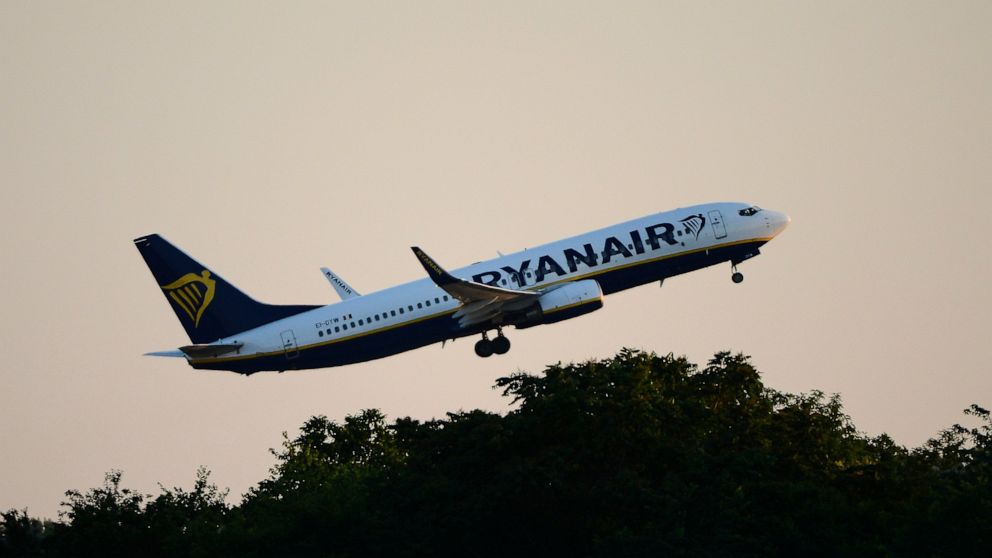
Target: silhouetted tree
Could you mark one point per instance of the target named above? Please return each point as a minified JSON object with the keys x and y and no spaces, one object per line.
{"x":634,"y":455}
{"x":186,"y":523}
{"x":21,"y":535}
{"x":323,"y":491}
{"x":104,"y":521}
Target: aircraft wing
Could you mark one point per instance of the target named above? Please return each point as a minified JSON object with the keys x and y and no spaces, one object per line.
{"x":480,"y":302}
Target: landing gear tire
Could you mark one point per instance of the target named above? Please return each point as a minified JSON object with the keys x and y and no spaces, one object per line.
{"x":737,"y":277}
{"x":484,"y":347}
{"x":500,"y":345}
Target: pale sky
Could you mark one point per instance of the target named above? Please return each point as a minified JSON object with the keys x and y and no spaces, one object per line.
{"x":269,"y":139}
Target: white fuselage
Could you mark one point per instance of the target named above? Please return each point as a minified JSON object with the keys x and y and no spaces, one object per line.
{"x":620,"y":256}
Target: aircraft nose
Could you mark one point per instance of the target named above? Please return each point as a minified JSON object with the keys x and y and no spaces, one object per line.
{"x":778,"y":221}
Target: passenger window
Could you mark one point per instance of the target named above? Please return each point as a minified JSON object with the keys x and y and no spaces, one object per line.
{"x":410,"y":307}
{"x":377,"y":317}
{"x":336,"y":329}
{"x":320,"y":333}
{"x":428,"y":303}
{"x":446,"y":298}
{"x":437,"y":300}
{"x":420,"y":305}
{"x":392,"y":312}
{"x":345,"y":326}
{"x":401,"y":310}
{"x":352,"y":325}
{"x":360,"y":322}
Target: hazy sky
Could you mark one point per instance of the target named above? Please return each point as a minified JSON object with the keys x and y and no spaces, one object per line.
{"x":269,"y":139}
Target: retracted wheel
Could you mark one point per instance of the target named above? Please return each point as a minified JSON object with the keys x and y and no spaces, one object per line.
{"x":737,"y":277}
{"x":484,"y":347}
{"x":501,"y":345}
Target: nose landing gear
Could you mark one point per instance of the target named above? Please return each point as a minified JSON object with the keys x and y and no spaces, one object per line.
{"x":486,"y":347}
{"x":737,"y":276}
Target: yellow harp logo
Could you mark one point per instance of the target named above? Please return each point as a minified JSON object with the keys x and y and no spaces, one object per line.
{"x":192,"y":293}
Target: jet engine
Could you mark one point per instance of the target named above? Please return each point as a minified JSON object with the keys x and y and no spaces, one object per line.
{"x":567,"y":301}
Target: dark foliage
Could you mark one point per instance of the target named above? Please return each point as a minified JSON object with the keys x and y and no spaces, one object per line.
{"x":637,"y":455}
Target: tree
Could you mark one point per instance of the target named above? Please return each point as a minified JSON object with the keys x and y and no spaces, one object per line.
{"x":104,"y":521}
{"x":322,"y":492}
{"x":634,"y":455}
{"x":187,"y":523}
{"x":21,"y":535}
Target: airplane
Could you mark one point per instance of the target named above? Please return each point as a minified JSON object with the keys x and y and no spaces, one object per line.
{"x":550,"y":283}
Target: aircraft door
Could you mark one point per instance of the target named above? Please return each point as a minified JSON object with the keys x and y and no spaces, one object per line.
{"x":716,"y":220}
{"x":289,"y":344}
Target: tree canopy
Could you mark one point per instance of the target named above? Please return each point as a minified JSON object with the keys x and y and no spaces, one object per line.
{"x":634,"y":455}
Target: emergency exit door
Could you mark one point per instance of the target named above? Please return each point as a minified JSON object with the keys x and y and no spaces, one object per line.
{"x":716,"y":220}
{"x":289,"y":344}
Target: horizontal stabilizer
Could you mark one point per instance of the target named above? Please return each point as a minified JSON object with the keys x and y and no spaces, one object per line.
{"x":172,"y":354}
{"x":210,"y":351}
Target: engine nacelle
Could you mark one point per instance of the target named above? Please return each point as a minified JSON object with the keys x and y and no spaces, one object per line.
{"x":568,"y":301}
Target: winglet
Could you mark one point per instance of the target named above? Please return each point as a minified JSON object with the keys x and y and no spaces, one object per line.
{"x":343,"y":289}
{"x":436,"y":272}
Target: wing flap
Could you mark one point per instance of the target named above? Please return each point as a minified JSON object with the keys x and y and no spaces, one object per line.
{"x":478,"y":311}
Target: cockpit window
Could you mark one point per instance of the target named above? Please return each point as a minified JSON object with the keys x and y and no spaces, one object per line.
{"x":749,"y":211}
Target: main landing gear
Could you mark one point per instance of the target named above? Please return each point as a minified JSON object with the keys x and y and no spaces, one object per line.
{"x":486,"y":347}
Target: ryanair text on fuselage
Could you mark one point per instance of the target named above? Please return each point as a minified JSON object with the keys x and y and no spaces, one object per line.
{"x":588,"y":256}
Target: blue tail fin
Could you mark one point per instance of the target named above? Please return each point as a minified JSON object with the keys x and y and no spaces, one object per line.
{"x":209,"y":307}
